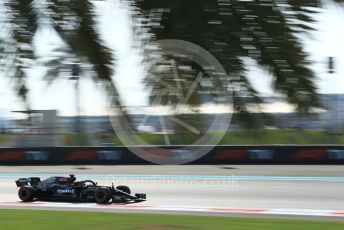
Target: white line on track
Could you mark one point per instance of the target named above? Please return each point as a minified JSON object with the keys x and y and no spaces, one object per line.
{"x":137,"y":207}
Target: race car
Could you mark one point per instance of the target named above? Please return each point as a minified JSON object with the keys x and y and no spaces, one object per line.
{"x":68,"y":189}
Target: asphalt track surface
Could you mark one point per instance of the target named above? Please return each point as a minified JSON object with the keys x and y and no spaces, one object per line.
{"x":237,"y":190}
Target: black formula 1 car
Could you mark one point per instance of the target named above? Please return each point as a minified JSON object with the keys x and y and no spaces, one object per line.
{"x":68,"y":189}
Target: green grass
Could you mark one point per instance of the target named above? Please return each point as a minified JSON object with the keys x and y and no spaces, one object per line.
{"x":249,"y":137}
{"x":3,"y":139}
{"x":286,"y":136}
{"x":28,"y":219}
{"x":76,"y":139}
{"x":232,"y":137}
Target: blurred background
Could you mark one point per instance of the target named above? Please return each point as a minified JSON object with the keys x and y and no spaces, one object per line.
{"x":68,"y":67}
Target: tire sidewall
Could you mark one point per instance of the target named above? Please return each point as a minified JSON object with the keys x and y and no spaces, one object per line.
{"x":124,"y":188}
{"x":102,"y":195}
{"x":26,"y":193}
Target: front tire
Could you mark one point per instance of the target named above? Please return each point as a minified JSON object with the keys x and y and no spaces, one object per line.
{"x":26,"y":194}
{"x":102,"y":195}
{"x":119,"y":197}
{"x":123,"y":188}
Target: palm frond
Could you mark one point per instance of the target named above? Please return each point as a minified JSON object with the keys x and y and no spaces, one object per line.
{"x":234,"y":29}
{"x":21,"y":22}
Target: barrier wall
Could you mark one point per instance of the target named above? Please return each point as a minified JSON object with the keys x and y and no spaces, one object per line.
{"x":219,"y":155}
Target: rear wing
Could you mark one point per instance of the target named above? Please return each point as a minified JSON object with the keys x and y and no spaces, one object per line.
{"x":33,"y":181}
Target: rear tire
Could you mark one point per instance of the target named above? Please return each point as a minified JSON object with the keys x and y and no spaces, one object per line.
{"x":102,"y":195}
{"x":26,"y":193}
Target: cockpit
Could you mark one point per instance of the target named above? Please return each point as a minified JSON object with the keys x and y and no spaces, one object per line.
{"x":59,"y":180}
